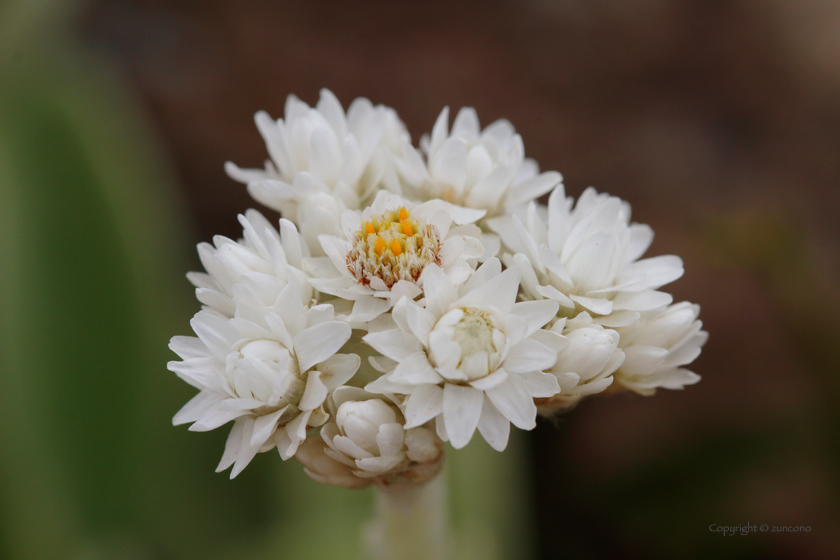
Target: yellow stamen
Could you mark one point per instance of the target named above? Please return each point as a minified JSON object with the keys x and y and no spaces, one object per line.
{"x":379,"y":245}
{"x":406,"y":227}
{"x":395,"y":248}
{"x":403,"y":215}
{"x":369,"y":228}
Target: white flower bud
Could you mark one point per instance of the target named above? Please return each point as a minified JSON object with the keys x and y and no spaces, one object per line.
{"x":360,"y":421}
{"x":367,"y":443}
{"x":585,"y":365}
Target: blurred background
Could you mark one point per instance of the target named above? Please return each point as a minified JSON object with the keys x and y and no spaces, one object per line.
{"x":718,"y":120}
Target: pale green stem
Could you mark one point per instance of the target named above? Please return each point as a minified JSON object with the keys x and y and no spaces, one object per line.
{"x":410,"y":522}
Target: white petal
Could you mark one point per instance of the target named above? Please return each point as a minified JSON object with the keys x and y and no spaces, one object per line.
{"x":247,"y":451}
{"x":514,"y":401}
{"x":600,"y":306}
{"x":494,"y":379}
{"x":444,"y":352}
{"x":536,"y":313}
{"x":492,"y":245}
{"x":196,"y":407}
{"x":532,"y":188}
{"x":319,"y":314}
{"x":215,"y":333}
{"x":264,"y":427}
{"x":500,"y":292}
{"x":529,"y":355}
{"x":393,"y":344}
{"x":232,"y":445}
{"x":553,"y":264}
{"x":641,"y":236}
{"x":551,"y":339}
{"x":349,"y":447}
{"x":201,"y":373}
{"x":318,"y":343}
{"x":420,"y":321}
{"x":415,"y":370}
{"x":461,"y":411}
{"x":315,"y":392}
{"x":558,"y":215}
{"x":378,"y":465}
{"x":438,"y":290}
{"x":449,"y":164}
{"x":494,"y":428}
{"x":338,"y":369}
{"x":641,"y":301}
{"x":642,"y":360}
{"x":214,"y":418}
{"x":619,"y":319}
{"x":541,"y":385}
{"x":658,"y":271}
{"x":424,"y":403}
{"x":486,"y":272}
{"x":440,"y":131}
{"x":466,"y":122}
{"x":367,"y":308}
{"x":390,"y":439}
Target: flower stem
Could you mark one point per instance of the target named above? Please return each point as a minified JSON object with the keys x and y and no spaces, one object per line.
{"x":410,"y":522}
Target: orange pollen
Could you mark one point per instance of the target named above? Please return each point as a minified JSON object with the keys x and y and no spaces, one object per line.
{"x":369,"y":228}
{"x":403,"y":215}
{"x":406,"y":227}
{"x":379,"y":245}
{"x":395,"y":248}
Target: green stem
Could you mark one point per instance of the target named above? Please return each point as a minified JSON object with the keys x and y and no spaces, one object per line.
{"x":410,"y":522}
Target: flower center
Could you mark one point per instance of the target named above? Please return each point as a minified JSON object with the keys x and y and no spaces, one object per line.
{"x":475,"y":332}
{"x":479,"y":334}
{"x":393,"y":247}
{"x":266,"y":371}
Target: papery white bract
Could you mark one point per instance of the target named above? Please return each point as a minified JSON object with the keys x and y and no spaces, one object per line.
{"x":585,"y":363}
{"x":484,"y":169}
{"x":587,"y":258}
{"x":383,"y":251}
{"x":471,"y":358}
{"x":263,"y":260}
{"x":385,"y":238}
{"x":658,"y":346}
{"x":269,"y":368}
{"x":323,"y":160}
{"x":367,"y":442}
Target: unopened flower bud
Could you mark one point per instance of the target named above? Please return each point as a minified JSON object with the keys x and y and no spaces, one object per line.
{"x":360,"y":421}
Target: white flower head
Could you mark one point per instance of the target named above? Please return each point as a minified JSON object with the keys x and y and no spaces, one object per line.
{"x":471,"y":358}
{"x":270,"y":369}
{"x":587,"y":358}
{"x":658,"y":346}
{"x":367,"y":443}
{"x":323,"y":151}
{"x":264,"y":260}
{"x":484,"y":169}
{"x":383,"y":251}
{"x":587,"y":259}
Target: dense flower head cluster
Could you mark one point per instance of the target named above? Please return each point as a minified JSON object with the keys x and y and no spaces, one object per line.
{"x":479,"y":306}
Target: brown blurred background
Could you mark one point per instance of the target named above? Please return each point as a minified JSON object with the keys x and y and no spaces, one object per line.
{"x":718,"y":120}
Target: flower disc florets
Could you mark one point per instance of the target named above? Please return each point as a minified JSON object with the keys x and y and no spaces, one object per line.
{"x":480,"y":334}
{"x":382,"y":252}
{"x":393,"y":246}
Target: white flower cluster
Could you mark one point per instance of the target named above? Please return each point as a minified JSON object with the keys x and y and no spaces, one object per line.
{"x":478,"y":306}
